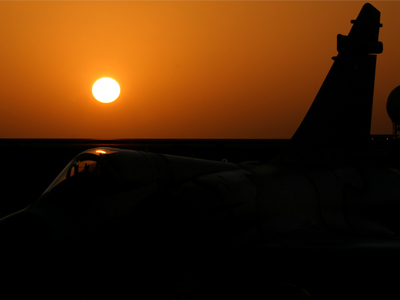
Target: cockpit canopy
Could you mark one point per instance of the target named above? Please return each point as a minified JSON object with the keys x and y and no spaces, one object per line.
{"x":104,"y":169}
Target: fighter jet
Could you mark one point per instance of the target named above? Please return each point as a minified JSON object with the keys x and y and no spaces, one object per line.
{"x":154,"y":221}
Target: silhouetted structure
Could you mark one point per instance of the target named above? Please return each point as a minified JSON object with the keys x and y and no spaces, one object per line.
{"x":342,"y":109}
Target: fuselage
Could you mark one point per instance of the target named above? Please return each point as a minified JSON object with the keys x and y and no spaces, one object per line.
{"x":231,"y":203}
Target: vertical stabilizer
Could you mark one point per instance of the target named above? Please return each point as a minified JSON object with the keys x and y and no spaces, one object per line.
{"x":342,"y":109}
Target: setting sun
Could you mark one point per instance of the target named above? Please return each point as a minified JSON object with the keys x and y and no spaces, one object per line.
{"x":106,"y":90}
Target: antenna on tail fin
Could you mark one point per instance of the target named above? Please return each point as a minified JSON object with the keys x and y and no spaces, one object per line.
{"x":342,"y":109}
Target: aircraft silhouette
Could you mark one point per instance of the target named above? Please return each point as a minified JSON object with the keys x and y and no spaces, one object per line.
{"x":176,"y":227}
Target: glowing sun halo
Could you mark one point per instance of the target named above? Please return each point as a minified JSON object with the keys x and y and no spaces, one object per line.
{"x":106,"y":90}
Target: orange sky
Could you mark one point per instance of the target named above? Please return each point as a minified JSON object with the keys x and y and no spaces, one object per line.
{"x":187,"y":69}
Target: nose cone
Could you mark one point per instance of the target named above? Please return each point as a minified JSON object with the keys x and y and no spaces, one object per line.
{"x":24,"y":228}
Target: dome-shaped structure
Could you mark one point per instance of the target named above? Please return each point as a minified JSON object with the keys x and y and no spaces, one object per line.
{"x":393,"y":105}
